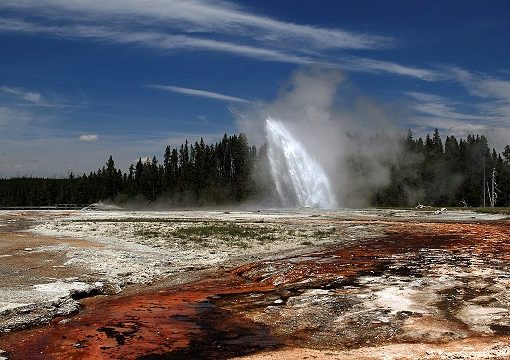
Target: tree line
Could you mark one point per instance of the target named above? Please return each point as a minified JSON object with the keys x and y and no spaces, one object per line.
{"x":453,"y":173}
{"x":192,"y":174}
{"x":426,"y":171}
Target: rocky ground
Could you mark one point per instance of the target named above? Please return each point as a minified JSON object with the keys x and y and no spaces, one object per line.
{"x":395,"y":284}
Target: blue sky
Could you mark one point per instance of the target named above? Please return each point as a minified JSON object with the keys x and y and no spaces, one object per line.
{"x":80,"y":79}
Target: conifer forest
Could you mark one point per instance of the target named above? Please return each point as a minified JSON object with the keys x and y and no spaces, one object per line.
{"x":430,"y":171}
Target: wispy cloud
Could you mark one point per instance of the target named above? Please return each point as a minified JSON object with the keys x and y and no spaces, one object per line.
{"x":23,"y":97}
{"x":201,"y":16}
{"x":28,"y":96}
{"x":372,"y":65}
{"x":200,"y":93}
{"x":160,"y":40}
{"x":493,"y":93}
{"x":486,"y":111}
{"x":201,"y":25}
{"x":152,"y":39}
{"x":18,"y":123}
{"x":11,"y":118}
{"x":437,"y":106}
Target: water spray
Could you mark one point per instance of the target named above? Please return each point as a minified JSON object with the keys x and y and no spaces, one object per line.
{"x":299,"y":179}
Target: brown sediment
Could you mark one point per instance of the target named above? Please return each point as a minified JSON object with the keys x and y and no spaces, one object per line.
{"x":490,"y":240}
{"x":153,"y":325}
{"x":317,"y":300}
{"x":336,"y":318}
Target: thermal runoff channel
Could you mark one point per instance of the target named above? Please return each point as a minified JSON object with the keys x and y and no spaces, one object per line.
{"x":299,"y":178}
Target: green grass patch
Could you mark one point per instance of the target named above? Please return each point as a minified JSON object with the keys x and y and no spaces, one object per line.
{"x":147,"y":233}
{"x":224,"y":230}
{"x":239,"y":235}
{"x":322,"y":233}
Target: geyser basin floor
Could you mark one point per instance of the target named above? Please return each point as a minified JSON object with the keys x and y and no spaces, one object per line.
{"x":395,"y":284}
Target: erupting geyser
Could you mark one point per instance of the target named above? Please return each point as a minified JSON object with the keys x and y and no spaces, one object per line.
{"x":299,"y":178}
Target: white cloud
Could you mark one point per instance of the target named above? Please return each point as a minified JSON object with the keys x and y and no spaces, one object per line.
{"x":200,"y":93}
{"x":89,"y":138}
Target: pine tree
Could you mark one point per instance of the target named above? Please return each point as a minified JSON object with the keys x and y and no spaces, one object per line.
{"x":506,"y":154}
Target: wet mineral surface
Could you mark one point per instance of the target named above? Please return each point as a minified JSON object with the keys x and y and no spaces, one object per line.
{"x":395,"y":287}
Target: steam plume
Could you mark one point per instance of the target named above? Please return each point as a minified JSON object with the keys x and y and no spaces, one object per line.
{"x":320,"y":108}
